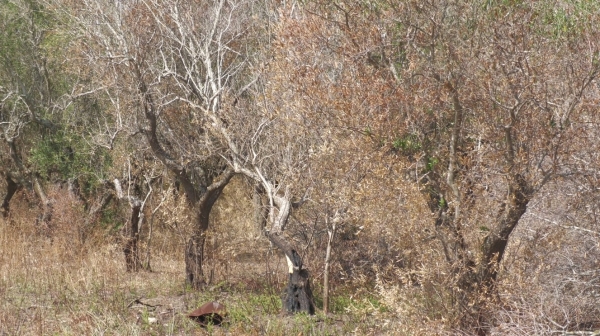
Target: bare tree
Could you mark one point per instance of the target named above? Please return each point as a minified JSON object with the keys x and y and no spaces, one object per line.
{"x":173,"y":64}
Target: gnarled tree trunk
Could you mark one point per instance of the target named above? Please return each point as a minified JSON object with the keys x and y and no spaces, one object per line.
{"x":194,"y":253}
{"x":298,"y":295}
{"x":201,"y":203}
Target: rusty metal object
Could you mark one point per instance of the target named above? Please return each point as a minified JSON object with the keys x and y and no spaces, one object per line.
{"x":209,"y":313}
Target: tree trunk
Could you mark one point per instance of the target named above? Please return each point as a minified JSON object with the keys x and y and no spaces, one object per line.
{"x":132,"y":260}
{"x":495,"y":243}
{"x":47,"y":207}
{"x":330,"y":236}
{"x":11,"y":189}
{"x":298,"y":295}
{"x":31,"y":180}
{"x":260,"y":210}
{"x":130,"y":248}
{"x":194,"y":252}
{"x":515,"y":205}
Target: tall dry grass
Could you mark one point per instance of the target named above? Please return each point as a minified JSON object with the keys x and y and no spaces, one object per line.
{"x":53,"y":283}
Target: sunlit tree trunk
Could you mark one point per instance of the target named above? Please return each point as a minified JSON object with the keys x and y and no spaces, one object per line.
{"x":330,"y":237}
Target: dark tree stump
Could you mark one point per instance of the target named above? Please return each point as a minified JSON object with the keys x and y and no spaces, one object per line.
{"x":298,"y":295}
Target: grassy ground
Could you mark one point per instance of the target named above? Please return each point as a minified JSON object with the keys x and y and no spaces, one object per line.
{"x":61,"y":287}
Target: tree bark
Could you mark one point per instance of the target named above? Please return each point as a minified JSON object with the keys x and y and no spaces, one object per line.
{"x":330,"y":236}
{"x":260,"y":210}
{"x":495,"y":243}
{"x":11,"y":189}
{"x":130,"y":248}
{"x":152,"y":137}
{"x":194,"y":254}
{"x":515,"y":205}
{"x":47,"y":207}
{"x":201,"y":203}
{"x":31,"y":180}
{"x":298,"y":295}
{"x":132,"y":260}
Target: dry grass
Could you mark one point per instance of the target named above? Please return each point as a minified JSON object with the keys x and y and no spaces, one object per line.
{"x":51,"y":283}
{"x":57,"y":286}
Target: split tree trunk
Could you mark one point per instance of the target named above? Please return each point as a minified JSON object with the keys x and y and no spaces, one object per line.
{"x":194,"y":253}
{"x":298,"y":295}
{"x":515,"y":205}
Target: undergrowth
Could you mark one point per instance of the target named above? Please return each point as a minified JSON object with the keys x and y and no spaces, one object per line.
{"x":57,"y":285}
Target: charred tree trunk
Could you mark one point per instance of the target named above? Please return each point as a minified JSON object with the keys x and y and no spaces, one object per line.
{"x":11,"y":189}
{"x":298,"y":295}
{"x":194,"y":253}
